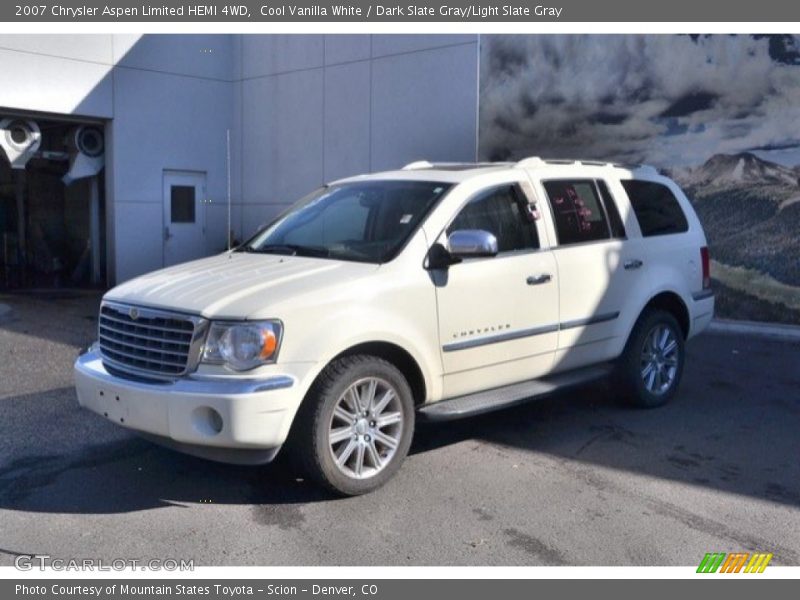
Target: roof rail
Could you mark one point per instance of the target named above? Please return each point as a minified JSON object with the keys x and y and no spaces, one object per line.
{"x":453,"y":166}
{"x":646,"y":169}
{"x":418,"y":164}
{"x":533,"y":162}
{"x":536,"y":161}
{"x":530,"y":162}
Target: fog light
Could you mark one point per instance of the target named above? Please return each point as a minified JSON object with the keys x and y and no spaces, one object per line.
{"x":206,"y":420}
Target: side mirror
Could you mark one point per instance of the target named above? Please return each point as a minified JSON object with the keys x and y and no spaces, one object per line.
{"x":472,"y":243}
{"x":439,"y":258}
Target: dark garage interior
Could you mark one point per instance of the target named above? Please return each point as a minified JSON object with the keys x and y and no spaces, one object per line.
{"x":51,"y":204}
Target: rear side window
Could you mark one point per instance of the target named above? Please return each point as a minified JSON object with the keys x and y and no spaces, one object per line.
{"x":656,"y":208}
{"x":577,"y":210}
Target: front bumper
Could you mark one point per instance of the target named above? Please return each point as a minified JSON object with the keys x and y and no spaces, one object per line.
{"x":226,"y":419}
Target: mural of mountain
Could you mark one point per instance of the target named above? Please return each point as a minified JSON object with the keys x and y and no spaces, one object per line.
{"x":741,"y":169}
{"x":750,"y":210}
{"x":717,"y":113}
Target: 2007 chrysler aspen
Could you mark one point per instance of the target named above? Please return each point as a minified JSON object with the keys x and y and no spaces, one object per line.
{"x":433,"y":292}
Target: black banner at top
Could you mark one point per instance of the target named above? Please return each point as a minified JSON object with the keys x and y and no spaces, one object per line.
{"x":309,"y":11}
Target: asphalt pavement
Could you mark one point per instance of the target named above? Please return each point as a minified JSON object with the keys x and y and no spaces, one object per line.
{"x":575,"y":479}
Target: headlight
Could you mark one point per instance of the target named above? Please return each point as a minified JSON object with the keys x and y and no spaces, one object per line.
{"x":242,"y":346}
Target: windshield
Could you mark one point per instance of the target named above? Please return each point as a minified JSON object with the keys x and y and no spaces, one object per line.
{"x":367,"y":221}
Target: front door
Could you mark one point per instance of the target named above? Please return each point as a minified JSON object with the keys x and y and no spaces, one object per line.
{"x":184,"y":216}
{"x":498,"y":316}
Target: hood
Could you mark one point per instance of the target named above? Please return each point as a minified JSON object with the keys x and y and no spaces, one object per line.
{"x":236,"y":285}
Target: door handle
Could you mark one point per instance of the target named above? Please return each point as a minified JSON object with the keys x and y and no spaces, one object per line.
{"x":538,"y":279}
{"x":167,"y":234}
{"x":633,"y":264}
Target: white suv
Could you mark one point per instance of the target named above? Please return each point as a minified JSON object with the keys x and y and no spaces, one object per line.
{"x":432,"y":292}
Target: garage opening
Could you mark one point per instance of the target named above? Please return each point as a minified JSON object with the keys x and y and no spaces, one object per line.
{"x":52,"y":204}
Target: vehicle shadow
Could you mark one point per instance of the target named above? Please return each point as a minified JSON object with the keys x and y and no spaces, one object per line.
{"x":735,"y":433}
{"x":131,"y":474}
{"x":732,"y":427}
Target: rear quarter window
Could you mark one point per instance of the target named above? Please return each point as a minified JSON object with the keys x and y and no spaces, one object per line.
{"x":656,"y":208}
{"x":614,"y":219}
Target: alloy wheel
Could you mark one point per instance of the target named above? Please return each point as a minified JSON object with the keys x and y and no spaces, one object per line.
{"x":366,"y":427}
{"x":659,"y":359}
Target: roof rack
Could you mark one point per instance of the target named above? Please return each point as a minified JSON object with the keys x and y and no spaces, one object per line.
{"x":535,"y":161}
{"x":418,"y":164}
{"x":531,"y":162}
{"x":451,"y":166}
{"x":644,"y":169}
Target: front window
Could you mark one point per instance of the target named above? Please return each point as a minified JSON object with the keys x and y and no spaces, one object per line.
{"x":367,"y":221}
{"x":502,"y":211}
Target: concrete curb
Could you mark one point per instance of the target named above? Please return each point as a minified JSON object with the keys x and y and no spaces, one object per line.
{"x":754,"y":328}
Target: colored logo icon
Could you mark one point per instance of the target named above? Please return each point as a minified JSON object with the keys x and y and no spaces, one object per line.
{"x":736,"y":562}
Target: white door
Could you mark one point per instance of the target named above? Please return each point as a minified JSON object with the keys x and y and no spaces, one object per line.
{"x":184,"y":216}
{"x":601,"y":280}
{"x":498,"y":316}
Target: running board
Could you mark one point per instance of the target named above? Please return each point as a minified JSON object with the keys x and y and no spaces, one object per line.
{"x":509,"y":395}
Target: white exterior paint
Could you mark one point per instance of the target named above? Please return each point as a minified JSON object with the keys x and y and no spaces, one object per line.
{"x":302,"y":110}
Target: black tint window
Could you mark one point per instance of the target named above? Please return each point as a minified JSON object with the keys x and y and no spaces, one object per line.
{"x":656,"y":208}
{"x":614,"y":220}
{"x":578,"y":213}
{"x":182,"y":203}
{"x":500,"y":211}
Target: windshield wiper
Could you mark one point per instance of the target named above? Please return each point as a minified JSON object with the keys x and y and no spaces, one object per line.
{"x":290,"y":249}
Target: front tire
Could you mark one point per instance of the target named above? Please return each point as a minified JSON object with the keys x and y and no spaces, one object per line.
{"x":354,"y":428}
{"x":651,"y":365}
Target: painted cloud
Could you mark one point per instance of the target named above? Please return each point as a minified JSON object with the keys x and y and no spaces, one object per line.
{"x":672,"y":101}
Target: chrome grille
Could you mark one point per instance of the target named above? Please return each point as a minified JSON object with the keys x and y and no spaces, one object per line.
{"x":143,"y":341}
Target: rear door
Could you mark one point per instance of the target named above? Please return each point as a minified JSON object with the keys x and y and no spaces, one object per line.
{"x":601,"y":269}
{"x":498,"y":316}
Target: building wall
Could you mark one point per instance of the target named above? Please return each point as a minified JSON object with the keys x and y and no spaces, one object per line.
{"x":168,"y":102}
{"x":301,"y":109}
{"x":313,"y":108}
{"x":173,"y":104}
{"x":307,"y":109}
{"x":64,"y":74}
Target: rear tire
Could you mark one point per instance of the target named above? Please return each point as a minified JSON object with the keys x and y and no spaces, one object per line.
{"x":354,"y":428}
{"x":651,"y":366}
